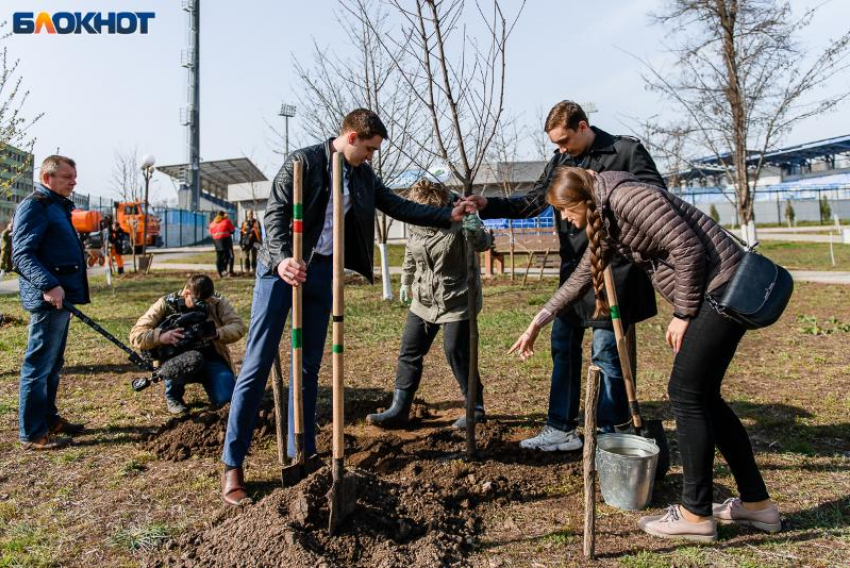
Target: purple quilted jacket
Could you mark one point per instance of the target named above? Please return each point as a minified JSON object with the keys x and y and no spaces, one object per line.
{"x":684,"y":251}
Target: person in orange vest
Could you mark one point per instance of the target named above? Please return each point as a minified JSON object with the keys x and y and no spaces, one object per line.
{"x":221,"y":230}
{"x":250,"y":241}
{"x":116,"y":234}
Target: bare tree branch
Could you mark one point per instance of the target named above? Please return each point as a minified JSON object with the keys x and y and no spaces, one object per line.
{"x":743,"y":82}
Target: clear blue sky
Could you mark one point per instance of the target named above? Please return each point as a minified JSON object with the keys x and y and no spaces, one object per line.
{"x":109,"y":92}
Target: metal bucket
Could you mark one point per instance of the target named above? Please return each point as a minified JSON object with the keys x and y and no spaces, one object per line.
{"x":626,"y":468}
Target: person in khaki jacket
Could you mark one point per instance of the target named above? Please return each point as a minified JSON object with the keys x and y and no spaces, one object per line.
{"x":434,"y":281}
{"x":217,"y":374}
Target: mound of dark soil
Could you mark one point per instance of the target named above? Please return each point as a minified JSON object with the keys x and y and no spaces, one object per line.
{"x":202,"y":433}
{"x":6,"y":319}
{"x":393,"y":525}
{"x":418,"y":504}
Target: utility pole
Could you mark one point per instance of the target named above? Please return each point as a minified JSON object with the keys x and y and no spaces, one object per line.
{"x":191,"y":114}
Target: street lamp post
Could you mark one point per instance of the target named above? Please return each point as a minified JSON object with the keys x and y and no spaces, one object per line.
{"x":147,"y":171}
{"x":287,"y":112}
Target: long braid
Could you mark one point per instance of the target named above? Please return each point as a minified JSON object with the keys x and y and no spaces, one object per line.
{"x":595,"y":235}
{"x":571,"y":187}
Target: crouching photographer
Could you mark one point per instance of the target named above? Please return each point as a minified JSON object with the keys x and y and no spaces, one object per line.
{"x":186,"y":334}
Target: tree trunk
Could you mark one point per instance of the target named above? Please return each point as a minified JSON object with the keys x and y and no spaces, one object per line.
{"x":386,"y":283}
{"x":473,"y":378}
{"x":387,"y":287}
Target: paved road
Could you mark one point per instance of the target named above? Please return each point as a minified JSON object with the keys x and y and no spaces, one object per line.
{"x":815,"y":229}
{"x":798,"y":238}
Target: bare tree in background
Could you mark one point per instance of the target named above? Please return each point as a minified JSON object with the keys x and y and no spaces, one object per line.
{"x":127,"y":182}
{"x":13,"y":123}
{"x":504,"y":157}
{"x":671,"y":146}
{"x":741,"y":81}
{"x":368,"y":77}
{"x":459,"y":82}
{"x":539,"y":137}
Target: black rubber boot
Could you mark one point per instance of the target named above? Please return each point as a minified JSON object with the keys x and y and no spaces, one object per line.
{"x":397,"y":415}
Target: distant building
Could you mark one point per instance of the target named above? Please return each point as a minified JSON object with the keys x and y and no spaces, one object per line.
{"x":16,"y":179}
{"x":799,"y":176}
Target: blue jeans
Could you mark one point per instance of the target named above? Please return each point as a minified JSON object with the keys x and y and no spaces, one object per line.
{"x":269,"y":310}
{"x":48,"y":334}
{"x":216,"y":377}
{"x":565,"y":391}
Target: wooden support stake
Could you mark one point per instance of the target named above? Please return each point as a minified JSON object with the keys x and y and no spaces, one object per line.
{"x":279,"y":410}
{"x":513,"y":248}
{"x":528,"y":267}
{"x":543,"y":264}
{"x":590,"y":402}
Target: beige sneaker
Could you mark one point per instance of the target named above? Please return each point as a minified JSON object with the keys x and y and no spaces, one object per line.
{"x":733,"y":511}
{"x":672,"y":525}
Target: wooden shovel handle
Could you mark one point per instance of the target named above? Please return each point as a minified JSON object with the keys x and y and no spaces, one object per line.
{"x":338,"y":306}
{"x":622,"y":348}
{"x":297,"y":334}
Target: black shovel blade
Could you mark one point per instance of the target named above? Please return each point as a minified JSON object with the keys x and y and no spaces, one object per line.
{"x":342,"y":498}
{"x":292,"y":474}
{"x":654,"y":429}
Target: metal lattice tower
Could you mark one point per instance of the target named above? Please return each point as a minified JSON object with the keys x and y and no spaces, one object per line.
{"x":191,"y":113}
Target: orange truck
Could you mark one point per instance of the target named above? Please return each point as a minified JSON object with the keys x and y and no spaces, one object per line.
{"x":131,"y":218}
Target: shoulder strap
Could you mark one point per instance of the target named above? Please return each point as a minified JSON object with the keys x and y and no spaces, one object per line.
{"x":739,"y":240}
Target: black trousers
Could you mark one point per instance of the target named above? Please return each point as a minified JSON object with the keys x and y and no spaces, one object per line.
{"x":415,"y":344}
{"x":703,"y":419}
{"x":223,"y":255}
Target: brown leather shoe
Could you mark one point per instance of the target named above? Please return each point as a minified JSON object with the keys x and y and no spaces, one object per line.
{"x":62,"y":426}
{"x":47,"y":442}
{"x":233,"y":488}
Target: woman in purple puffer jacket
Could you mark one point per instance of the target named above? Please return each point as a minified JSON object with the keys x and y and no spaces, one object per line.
{"x":689,"y":258}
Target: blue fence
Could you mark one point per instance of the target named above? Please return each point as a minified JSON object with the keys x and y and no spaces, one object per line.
{"x":181,"y":228}
{"x":545,"y":220}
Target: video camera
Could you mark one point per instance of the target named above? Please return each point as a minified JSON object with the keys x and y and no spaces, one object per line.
{"x":197,"y":329}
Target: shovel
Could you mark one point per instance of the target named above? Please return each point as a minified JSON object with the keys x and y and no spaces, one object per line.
{"x":301,"y":466}
{"x":342,"y":497}
{"x":653,"y":429}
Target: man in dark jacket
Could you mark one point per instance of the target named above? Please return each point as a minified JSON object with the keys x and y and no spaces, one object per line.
{"x":277,"y":272}
{"x":50,"y":258}
{"x":588,"y":147}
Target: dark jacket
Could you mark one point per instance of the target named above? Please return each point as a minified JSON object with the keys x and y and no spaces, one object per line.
{"x":435,"y":269}
{"x":367,"y":192}
{"x":607,"y":153}
{"x":687,"y":253}
{"x":47,"y":250}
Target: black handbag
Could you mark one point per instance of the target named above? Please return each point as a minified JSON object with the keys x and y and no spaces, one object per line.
{"x":758,"y":292}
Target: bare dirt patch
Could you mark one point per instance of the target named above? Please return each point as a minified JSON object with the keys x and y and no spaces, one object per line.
{"x":419,"y":503}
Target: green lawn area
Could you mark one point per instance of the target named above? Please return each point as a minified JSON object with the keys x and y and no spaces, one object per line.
{"x":807,"y":256}
{"x":197,"y":258}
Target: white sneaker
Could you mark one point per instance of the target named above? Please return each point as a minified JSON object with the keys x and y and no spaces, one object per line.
{"x":553,"y":440}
